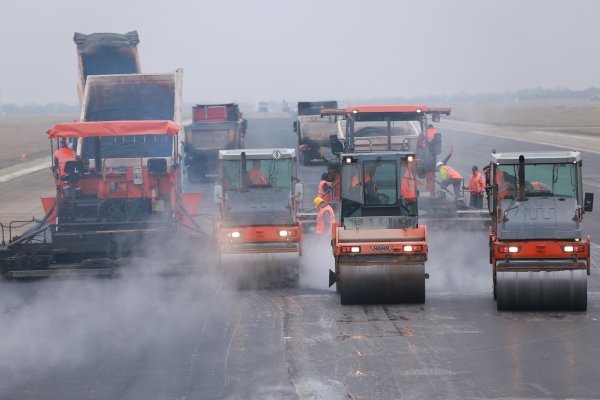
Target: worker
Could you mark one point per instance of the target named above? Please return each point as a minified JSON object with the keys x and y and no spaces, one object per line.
{"x":450,"y":177}
{"x":476,"y":188}
{"x":255,"y":174}
{"x":430,"y":133}
{"x":506,"y":185}
{"x":537,"y":186}
{"x":63,"y":155}
{"x":325,"y":216}
{"x":324,"y":190}
{"x":408,"y":188}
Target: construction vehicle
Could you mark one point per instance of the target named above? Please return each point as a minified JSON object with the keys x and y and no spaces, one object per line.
{"x":538,"y":251}
{"x":258,"y":193}
{"x":379,"y":247}
{"x":121,"y":196}
{"x":106,"y":54}
{"x":404,"y":128}
{"x":214,"y":127}
{"x":312,"y":130}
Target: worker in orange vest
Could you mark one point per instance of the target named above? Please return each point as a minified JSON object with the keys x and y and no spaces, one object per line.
{"x":255,"y":174}
{"x":450,"y":177}
{"x":325,"y":216}
{"x":506,"y":185}
{"x":324,"y":190}
{"x":62,"y":155}
{"x":476,"y":188}
{"x":408,"y":188}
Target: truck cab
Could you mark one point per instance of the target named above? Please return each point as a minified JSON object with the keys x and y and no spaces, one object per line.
{"x":538,"y":251}
{"x":214,"y":127}
{"x":312,"y":130}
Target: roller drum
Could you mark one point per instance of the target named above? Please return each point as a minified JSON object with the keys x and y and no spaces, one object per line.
{"x":261,"y":270}
{"x":541,"y":290}
{"x":381,"y":283}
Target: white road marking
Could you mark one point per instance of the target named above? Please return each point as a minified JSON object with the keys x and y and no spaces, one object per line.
{"x":19,"y":170}
{"x":496,"y":131}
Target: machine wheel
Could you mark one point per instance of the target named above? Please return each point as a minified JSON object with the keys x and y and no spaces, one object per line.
{"x":381,"y":283}
{"x":541,"y":290}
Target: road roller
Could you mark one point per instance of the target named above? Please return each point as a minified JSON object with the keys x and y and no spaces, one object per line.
{"x":379,"y":248}
{"x":259,"y":231}
{"x":538,"y":251}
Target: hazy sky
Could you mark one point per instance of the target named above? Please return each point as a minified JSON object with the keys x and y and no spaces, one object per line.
{"x":249,"y":50}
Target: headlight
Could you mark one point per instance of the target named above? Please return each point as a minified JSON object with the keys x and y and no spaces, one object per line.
{"x":283,"y":233}
{"x":235,"y":234}
{"x":513,"y":249}
{"x":568,"y":249}
{"x":355,"y":249}
{"x":408,"y":248}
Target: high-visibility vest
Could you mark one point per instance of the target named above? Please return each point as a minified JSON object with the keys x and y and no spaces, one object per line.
{"x":323,"y":191}
{"x":256,"y":177}
{"x":503,"y":185}
{"x":408,"y":186}
{"x":63,"y":155}
{"x":449,"y":173}
{"x":477,"y":184}
{"x":325,"y":213}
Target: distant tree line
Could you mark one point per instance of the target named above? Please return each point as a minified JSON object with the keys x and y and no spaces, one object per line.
{"x":592,"y":94}
{"x":530,"y":94}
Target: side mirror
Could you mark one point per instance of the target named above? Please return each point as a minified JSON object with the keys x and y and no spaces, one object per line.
{"x":435,"y":117}
{"x":299,"y":191}
{"x":588,"y":202}
{"x":295,"y":126}
{"x":332,"y":119}
{"x":218,"y":193}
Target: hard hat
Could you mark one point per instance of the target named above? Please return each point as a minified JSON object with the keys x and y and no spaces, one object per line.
{"x":438,"y":165}
{"x":318,"y":200}
{"x":324,"y":176}
{"x":474,"y":168}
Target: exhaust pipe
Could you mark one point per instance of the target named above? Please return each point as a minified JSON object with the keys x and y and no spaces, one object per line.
{"x":521,"y":177}
{"x":244,"y":172}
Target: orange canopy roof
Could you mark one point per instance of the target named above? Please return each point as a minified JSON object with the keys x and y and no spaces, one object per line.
{"x":113,"y":128}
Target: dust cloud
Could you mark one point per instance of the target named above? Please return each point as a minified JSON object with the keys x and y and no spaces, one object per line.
{"x":316,"y":261}
{"x":60,"y":324}
{"x":458,"y":262}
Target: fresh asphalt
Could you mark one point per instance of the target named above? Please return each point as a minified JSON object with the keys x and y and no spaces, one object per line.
{"x":193,"y":337}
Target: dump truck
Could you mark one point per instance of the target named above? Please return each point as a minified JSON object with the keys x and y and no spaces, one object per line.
{"x":120,"y":195}
{"x":312,"y":130}
{"x":214,"y":127}
{"x":259,"y":231}
{"x":540,"y":257}
{"x":106,"y":54}
{"x":379,"y":247}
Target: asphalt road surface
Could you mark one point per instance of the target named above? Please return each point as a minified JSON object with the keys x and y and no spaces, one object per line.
{"x":191,"y":336}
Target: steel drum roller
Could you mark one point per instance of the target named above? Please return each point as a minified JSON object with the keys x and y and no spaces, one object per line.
{"x":261,"y":270}
{"x":363,"y":283}
{"x":541,"y":290}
